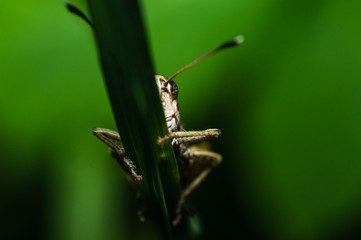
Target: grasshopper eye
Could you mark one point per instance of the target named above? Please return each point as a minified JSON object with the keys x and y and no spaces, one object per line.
{"x":173,"y":89}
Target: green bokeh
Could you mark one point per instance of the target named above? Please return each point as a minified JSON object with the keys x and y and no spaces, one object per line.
{"x":287,"y":102}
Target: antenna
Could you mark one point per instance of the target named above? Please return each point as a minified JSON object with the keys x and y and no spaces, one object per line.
{"x":234,"y":42}
{"x":74,"y":10}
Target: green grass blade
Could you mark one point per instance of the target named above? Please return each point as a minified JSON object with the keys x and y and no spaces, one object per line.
{"x":136,"y":105}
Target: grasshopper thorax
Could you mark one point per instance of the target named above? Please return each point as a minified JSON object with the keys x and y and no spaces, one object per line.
{"x":168,"y":92}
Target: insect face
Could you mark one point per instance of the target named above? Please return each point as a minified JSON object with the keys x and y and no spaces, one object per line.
{"x":168,"y":92}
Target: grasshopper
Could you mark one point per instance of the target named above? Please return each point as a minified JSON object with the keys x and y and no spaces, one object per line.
{"x":195,"y":162}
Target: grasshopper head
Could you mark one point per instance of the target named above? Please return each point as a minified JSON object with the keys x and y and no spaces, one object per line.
{"x":168,"y":89}
{"x":169,"y":96}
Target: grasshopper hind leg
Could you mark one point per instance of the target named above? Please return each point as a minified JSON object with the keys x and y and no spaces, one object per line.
{"x":201,"y":163}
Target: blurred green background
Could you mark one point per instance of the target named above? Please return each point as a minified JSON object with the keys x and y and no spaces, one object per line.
{"x":287,"y":102}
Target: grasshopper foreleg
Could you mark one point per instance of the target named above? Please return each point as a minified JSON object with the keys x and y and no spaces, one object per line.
{"x":108,"y":137}
{"x":189,"y":136}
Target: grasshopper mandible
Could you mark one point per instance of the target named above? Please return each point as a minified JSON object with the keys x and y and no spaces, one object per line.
{"x":194,"y":162}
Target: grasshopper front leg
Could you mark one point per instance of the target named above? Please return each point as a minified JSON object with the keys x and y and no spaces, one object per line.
{"x":108,"y":137}
{"x":180,"y":137}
